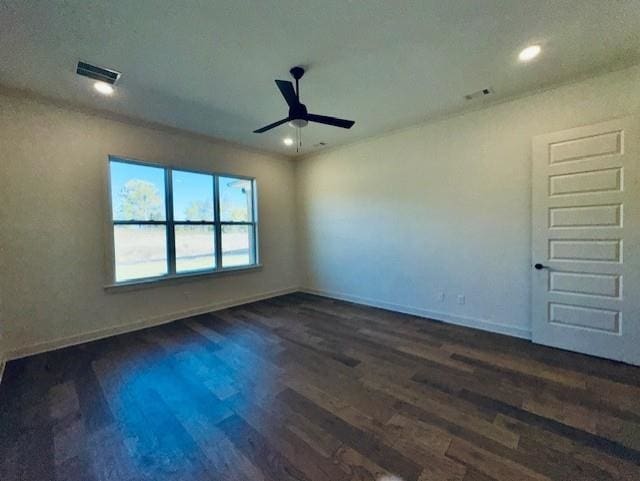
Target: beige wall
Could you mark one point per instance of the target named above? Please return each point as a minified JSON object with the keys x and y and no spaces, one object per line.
{"x":442,"y":207}
{"x":53,"y":207}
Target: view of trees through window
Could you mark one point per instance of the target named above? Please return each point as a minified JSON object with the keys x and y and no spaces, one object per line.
{"x":165,"y":221}
{"x":140,"y":199}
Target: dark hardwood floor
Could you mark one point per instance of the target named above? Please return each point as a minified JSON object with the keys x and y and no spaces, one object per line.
{"x":305,"y":388}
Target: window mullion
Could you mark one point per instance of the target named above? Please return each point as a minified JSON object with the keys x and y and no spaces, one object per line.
{"x":254,"y":219}
{"x":171,"y":233}
{"x":217,"y":225}
{"x":253,"y":245}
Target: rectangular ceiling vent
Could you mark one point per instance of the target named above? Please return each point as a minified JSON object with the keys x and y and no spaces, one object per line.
{"x":479,"y":94}
{"x":98,"y":73}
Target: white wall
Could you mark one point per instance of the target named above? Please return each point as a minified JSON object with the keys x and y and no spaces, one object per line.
{"x":442,"y":207}
{"x":53,"y":208}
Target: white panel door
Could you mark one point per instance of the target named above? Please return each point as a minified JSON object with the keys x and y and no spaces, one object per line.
{"x":586,"y":240}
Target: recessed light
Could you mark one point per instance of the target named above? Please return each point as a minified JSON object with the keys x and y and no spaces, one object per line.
{"x":529,"y":53}
{"x":288,"y":141}
{"x":103,"y":87}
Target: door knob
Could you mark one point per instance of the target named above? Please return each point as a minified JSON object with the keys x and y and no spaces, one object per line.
{"x":540,"y":266}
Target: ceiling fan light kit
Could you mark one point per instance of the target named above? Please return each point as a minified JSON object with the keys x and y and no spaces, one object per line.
{"x":299,"y":116}
{"x":298,"y":123}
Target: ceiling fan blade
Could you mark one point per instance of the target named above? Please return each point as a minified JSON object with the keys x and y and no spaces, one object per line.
{"x":270,"y":126}
{"x":323,"y":119}
{"x":288,"y":92}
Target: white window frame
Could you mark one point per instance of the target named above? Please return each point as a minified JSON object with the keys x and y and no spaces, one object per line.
{"x":170,"y":225}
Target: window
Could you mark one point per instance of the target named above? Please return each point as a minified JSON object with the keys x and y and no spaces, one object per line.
{"x":169,"y":222}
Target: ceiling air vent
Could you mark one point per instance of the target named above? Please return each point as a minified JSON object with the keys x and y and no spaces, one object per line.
{"x":479,"y":94}
{"x":98,"y":73}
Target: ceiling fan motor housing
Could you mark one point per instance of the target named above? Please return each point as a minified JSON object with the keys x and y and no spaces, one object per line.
{"x":298,"y":116}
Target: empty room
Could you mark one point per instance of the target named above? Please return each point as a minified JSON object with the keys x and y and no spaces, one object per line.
{"x":339,"y":240}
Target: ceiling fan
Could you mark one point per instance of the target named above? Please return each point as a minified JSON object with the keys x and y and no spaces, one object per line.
{"x":298,"y":115}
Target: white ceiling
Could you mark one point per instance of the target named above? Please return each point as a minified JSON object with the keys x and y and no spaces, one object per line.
{"x":209,"y":66}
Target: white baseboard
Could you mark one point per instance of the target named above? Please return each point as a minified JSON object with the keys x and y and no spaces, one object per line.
{"x":137,"y":325}
{"x":465,"y":321}
{"x":2,"y":364}
{"x":476,"y":323}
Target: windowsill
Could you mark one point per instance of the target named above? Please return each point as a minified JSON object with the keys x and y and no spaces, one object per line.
{"x":177,"y":278}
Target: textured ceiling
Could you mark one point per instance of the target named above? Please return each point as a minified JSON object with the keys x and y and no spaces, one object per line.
{"x":209,"y":66}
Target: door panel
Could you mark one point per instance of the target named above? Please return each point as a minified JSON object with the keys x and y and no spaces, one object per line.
{"x":582,"y":283}
{"x":582,"y":148}
{"x":605,"y":180}
{"x":585,"y":232}
{"x":608,"y":250}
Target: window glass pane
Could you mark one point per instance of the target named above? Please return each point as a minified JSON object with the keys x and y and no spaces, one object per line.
{"x":235,"y":199}
{"x":192,"y":196}
{"x":137,"y":192}
{"x":195,"y":247}
{"x":237,"y":245}
{"x":140,"y":251}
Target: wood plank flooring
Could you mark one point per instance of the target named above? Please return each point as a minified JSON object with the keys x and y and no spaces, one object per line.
{"x":303,"y":388}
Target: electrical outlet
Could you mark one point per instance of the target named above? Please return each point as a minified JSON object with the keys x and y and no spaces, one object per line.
{"x":461,"y":299}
